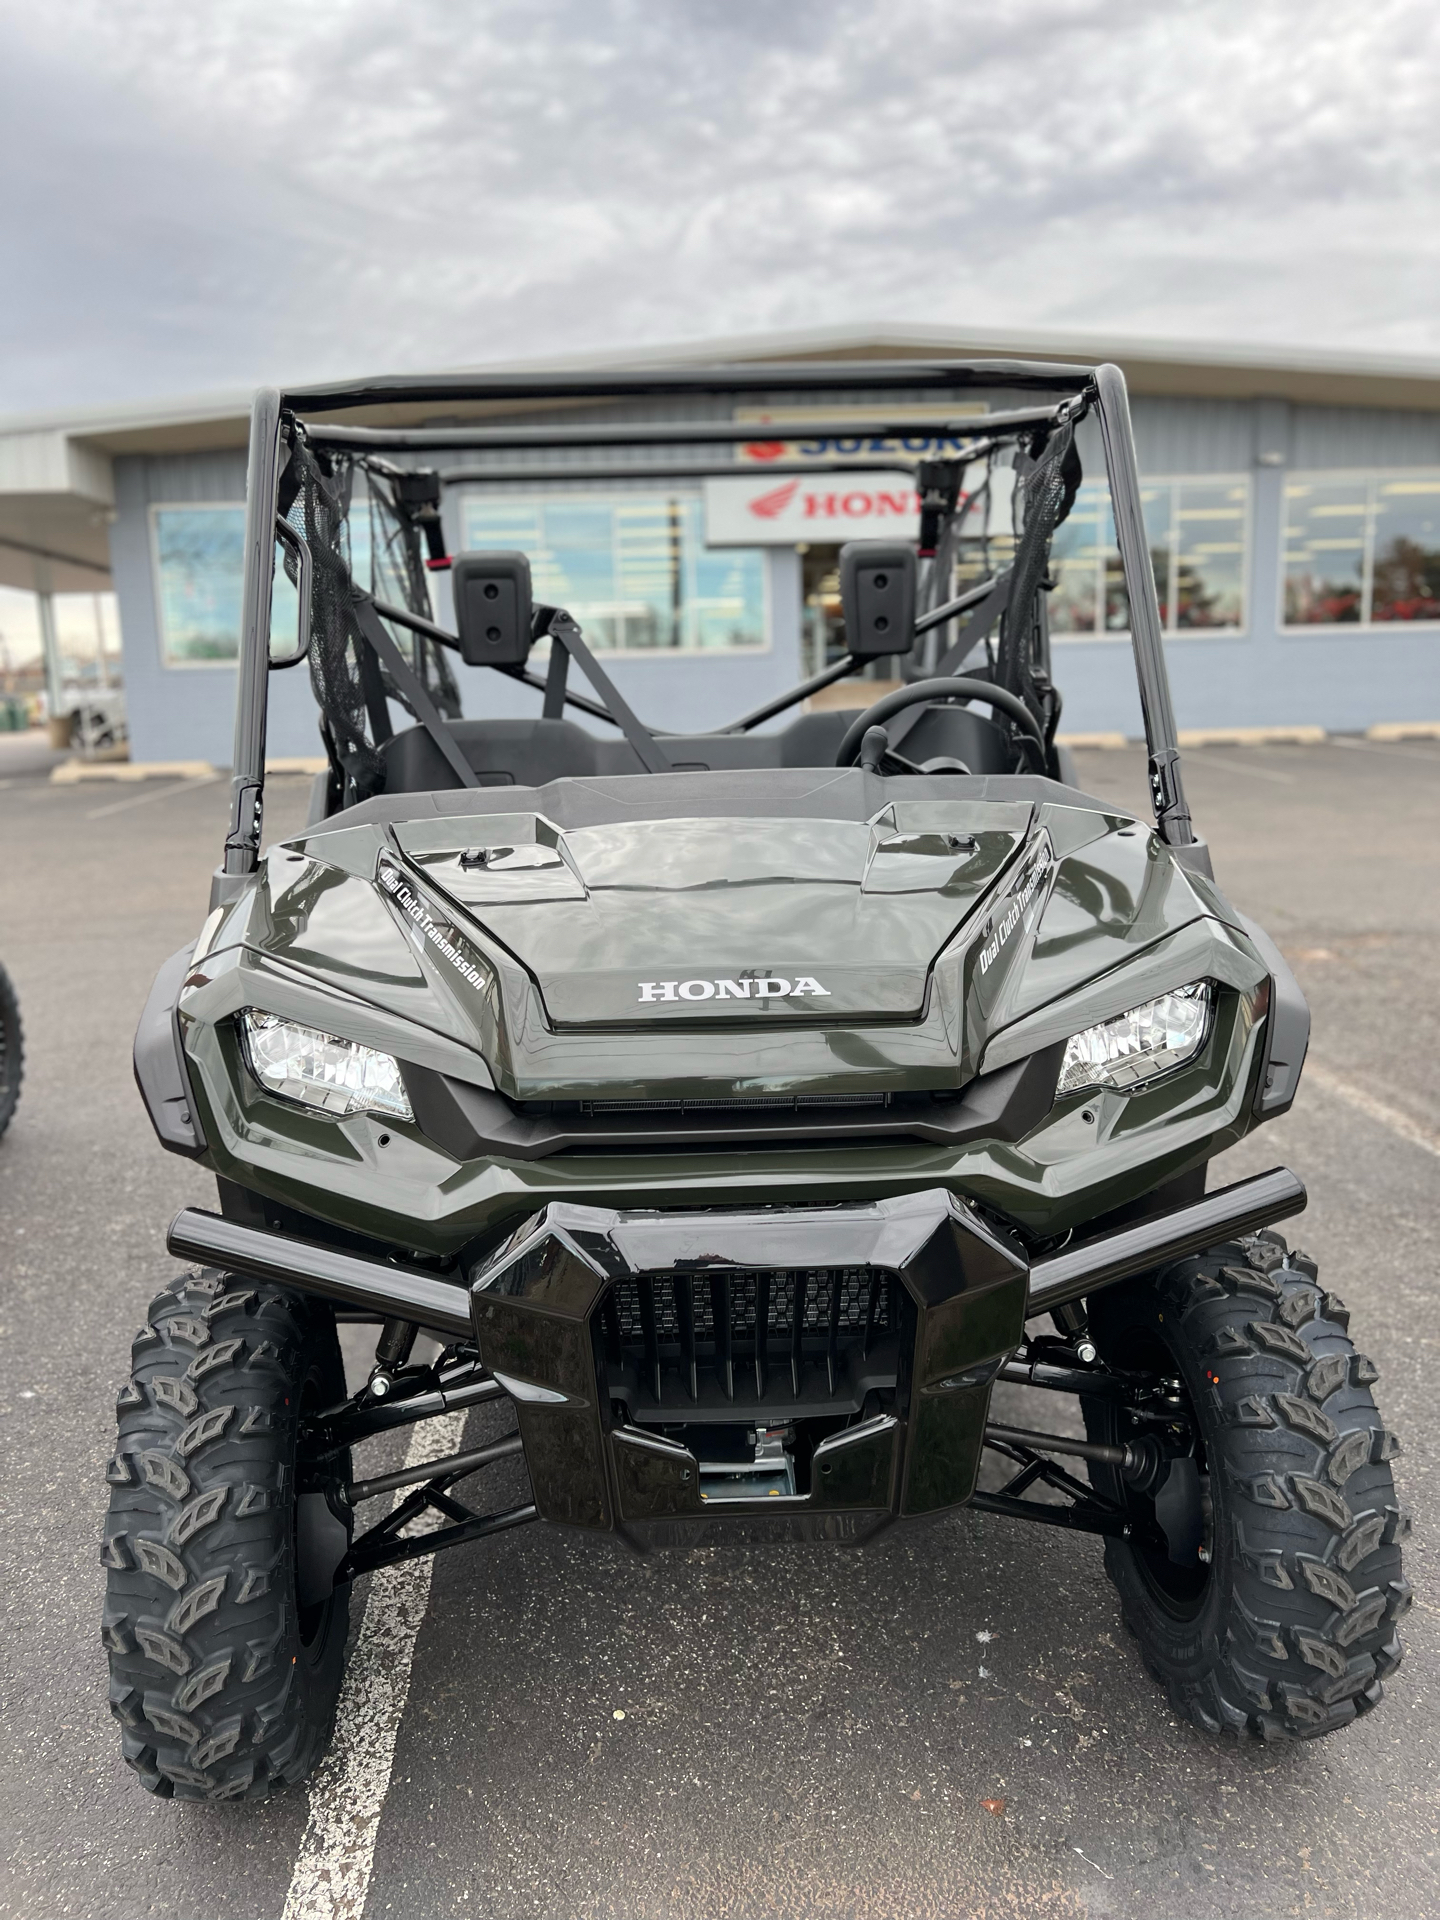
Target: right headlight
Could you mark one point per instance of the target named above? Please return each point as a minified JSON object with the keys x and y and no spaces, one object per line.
{"x":320,"y":1070}
{"x":1139,"y":1045}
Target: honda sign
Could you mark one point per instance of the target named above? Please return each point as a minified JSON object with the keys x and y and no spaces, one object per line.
{"x":830,"y":508}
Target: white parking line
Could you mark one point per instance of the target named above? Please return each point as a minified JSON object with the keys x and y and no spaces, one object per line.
{"x":155,"y":793}
{"x":1230,"y":762}
{"x":331,"y":1875}
{"x":1366,"y":1103}
{"x":1391,"y":750}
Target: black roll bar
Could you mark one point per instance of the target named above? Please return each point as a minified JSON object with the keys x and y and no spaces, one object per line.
{"x":247,"y":777}
{"x":675,"y":433}
{"x":527,"y":474}
{"x":759,"y":376}
{"x":1167,"y":795}
{"x":1103,"y":386}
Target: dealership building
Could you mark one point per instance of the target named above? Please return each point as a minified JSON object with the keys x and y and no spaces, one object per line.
{"x":1292,"y":503}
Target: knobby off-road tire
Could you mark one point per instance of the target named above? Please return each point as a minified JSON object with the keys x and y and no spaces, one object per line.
{"x":12,"y":1049}
{"x":1289,"y":1631}
{"x":223,"y":1683}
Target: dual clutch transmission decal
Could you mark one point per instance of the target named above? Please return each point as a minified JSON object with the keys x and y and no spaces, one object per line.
{"x":1011,"y":911}
{"x":444,"y":939}
{"x":1016,"y":913}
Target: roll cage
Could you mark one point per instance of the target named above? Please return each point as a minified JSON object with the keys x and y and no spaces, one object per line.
{"x":370,"y":423}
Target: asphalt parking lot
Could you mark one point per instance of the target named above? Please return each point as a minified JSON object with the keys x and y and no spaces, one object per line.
{"x":766,"y":1731}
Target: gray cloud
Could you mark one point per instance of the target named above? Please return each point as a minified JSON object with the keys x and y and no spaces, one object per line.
{"x":209,"y":196}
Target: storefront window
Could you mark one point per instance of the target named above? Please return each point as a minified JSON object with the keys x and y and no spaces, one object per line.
{"x":1362,"y":551}
{"x":199,"y":571}
{"x":1197,"y":532}
{"x":632,"y":567}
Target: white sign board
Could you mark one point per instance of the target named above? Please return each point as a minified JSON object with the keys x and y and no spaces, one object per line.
{"x":830,"y":508}
{"x":771,"y":511}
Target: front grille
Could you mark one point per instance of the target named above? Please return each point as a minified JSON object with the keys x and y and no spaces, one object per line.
{"x":742,"y":1103}
{"x":751,"y":1336}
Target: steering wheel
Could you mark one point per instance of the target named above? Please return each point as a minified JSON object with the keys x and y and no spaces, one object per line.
{"x":924,"y":691}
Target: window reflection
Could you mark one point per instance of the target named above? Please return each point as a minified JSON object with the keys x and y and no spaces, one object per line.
{"x":1362,"y":550}
{"x":199,"y":554}
{"x":1196,"y":532}
{"x":632,"y":567}
{"x":1406,"y":572}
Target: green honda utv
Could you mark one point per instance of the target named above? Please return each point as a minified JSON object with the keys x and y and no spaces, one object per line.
{"x":738,"y":1106}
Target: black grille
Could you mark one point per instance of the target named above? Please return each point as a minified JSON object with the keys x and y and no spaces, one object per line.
{"x":740,"y":1104}
{"x":797,"y":1333}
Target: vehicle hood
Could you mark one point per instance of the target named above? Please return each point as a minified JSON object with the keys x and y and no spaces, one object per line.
{"x":706,"y":920}
{"x":750,"y":952}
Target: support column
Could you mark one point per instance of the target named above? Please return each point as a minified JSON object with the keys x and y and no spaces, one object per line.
{"x":50,"y":649}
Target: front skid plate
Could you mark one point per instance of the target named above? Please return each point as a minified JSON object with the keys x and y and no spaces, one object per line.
{"x":539,"y":1306}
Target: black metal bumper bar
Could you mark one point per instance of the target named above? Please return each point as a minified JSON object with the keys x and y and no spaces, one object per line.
{"x":391,"y":1292}
{"x":1168,"y":1236}
{"x":397,"y":1292}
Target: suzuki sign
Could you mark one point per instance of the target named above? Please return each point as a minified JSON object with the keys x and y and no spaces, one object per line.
{"x":830,"y":508}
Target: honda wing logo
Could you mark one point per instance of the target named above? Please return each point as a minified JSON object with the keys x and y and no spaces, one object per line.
{"x":770,"y":506}
{"x":766,"y":987}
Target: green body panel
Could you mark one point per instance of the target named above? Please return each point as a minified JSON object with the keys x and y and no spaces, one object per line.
{"x":950,"y":937}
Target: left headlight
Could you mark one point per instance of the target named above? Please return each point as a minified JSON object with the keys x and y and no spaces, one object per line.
{"x":1139,"y":1045}
{"x":319,"y":1070}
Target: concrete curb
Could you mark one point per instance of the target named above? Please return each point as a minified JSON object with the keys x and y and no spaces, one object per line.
{"x":1389,"y":732}
{"x":72,"y":771}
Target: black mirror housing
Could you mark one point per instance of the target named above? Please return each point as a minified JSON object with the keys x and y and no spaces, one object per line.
{"x":877,"y":597}
{"x":493,"y":608}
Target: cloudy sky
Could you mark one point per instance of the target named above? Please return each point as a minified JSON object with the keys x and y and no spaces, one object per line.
{"x":202,"y":196}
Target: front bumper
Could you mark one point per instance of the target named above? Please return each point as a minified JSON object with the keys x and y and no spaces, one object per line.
{"x":868,"y":1335}
{"x":883,"y":1408}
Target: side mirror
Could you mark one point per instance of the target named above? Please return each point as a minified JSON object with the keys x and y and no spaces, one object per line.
{"x":877,"y":597}
{"x":493,"y":608}
{"x":289,"y":597}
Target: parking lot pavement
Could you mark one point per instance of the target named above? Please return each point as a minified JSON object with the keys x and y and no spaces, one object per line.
{"x":802,"y":1732}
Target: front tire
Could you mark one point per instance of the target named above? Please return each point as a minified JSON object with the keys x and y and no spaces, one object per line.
{"x":12,"y":1049}
{"x":225,"y":1638}
{"x":1282,"y":1624}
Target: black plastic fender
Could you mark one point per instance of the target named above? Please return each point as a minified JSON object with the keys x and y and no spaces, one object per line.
{"x":1288,"y":1027}
{"x":160,"y":1063}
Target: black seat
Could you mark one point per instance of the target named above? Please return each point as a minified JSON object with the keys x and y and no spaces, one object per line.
{"x":531,"y":753}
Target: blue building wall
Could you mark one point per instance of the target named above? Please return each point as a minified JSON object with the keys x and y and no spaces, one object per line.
{"x":1343,"y":680}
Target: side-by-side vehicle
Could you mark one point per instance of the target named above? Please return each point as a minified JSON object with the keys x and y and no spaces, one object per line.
{"x":735,"y":1107}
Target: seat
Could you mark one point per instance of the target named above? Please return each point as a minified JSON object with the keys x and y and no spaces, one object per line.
{"x":531,"y":753}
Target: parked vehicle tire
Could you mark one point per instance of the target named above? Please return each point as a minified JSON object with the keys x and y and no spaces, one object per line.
{"x":225,"y":1634}
{"x":12,"y":1049}
{"x":1283,"y":1625}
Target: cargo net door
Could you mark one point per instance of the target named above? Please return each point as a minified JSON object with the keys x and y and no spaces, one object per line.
{"x":363,"y":528}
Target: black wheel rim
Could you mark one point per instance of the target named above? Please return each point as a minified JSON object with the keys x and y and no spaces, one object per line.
{"x":1180,"y":1590}
{"x":312,"y":1621}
